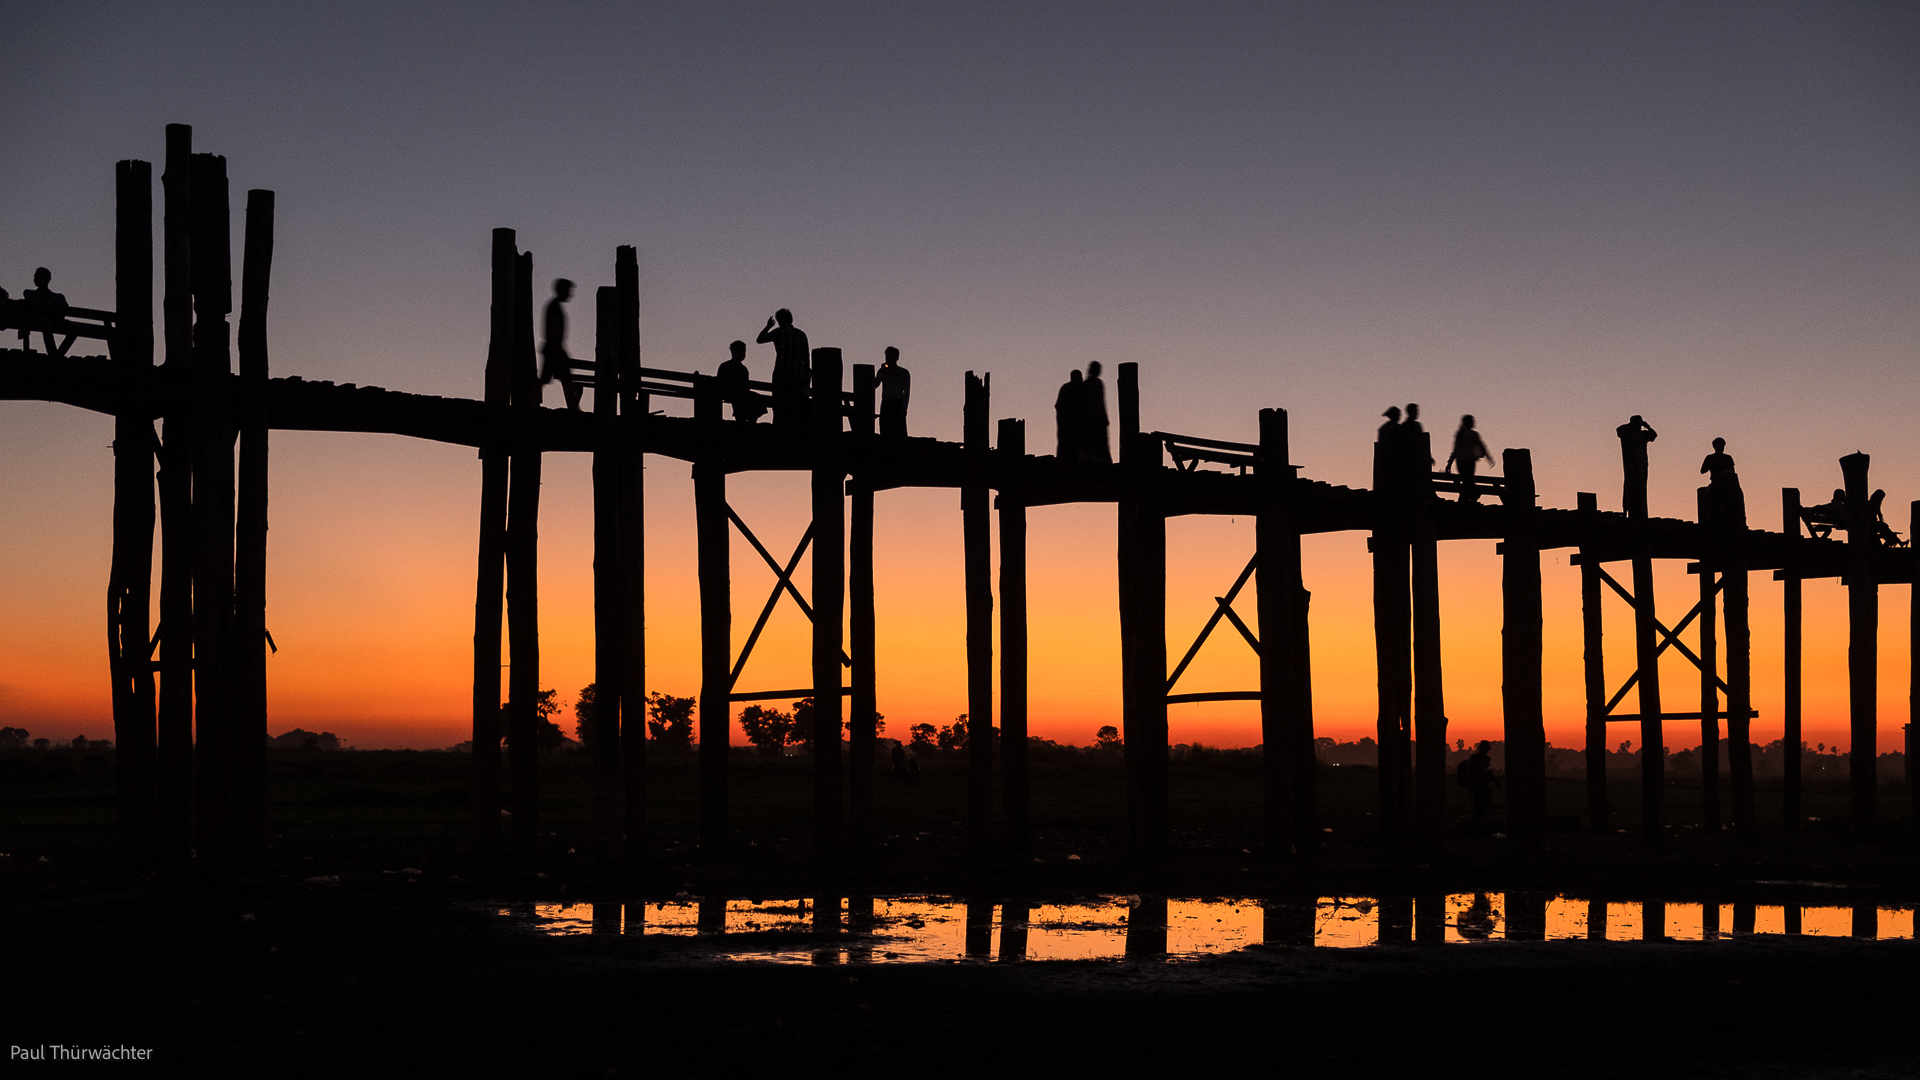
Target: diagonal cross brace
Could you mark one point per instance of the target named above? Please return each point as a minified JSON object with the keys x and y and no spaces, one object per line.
{"x":783,"y":581}
{"x":1223,"y":606}
{"x":1672,"y":637}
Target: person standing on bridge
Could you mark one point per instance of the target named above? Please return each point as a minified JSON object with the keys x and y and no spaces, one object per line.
{"x":1067,"y":407}
{"x":896,"y":388}
{"x":554,"y":361}
{"x":1410,"y":431}
{"x":736,"y":387}
{"x":1093,"y":418}
{"x":1635,"y":434}
{"x":792,"y":369}
{"x":1468,"y":450}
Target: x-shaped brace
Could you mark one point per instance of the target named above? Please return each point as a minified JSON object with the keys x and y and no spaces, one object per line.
{"x":1223,"y":606}
{"x":783,"y":582}
{"x":1672,"y":637}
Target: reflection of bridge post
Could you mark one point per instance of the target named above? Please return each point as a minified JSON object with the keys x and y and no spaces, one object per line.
{"x":1866,"y":921}
{"x":1014,"y":789}
{"x":250,"y":539}
{"x":1709,"y":920}
{"x":716,"y":613}
{"x":1013,"y":931}
{"x":829,"y":599}
{"x":1286,"y":704}
{"x":1430,"y":918}
{"x":1147,"y":928}
{"x":1526,"y":911}
{"x":864,"y":706}
{"x":174,"y":735}
{"x":1520,"y":652}
{"x":1429,"y":698}
{"x":1396,"y":919}
{"x":1595,"y":665}
{"x":979,"y":935}
{"x":977,"y":559}
{"x":491,"y":580}
{"x":630,"y":670}
{"x":1863,"y":641}
{"x":710,"y":917}
{"x":523,"y":575}
{"x":1790,"y":919}
{"x":1790,"y":668}
{"x":1289,"y":923}
{"x":1596,"y":920}
{"x":130,"y":588}
{"x":1653,"y":920}
{"x":1393,"y":643}
{"x":1743,"y":916}
{"x":1142,"y":558}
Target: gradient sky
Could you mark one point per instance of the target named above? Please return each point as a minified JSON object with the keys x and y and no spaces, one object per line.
{"x":1550,"y":215}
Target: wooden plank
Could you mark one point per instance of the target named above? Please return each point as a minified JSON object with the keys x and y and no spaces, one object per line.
{"x":829,"y":600}
{"x":490,"y":578}
{"x":130,"y":576}
{"x":1015,"y":783}
{"x":977,"y":553}
{"x":250,"y":539}
{"x":174,"y":738}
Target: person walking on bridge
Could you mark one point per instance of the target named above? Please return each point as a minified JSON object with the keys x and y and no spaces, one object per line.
{"x":554,"y":361}
{"x":792,"y":369}
{"x":1468,"y":450}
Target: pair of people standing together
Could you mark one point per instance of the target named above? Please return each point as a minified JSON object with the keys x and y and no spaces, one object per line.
{"x":1080,"y":419}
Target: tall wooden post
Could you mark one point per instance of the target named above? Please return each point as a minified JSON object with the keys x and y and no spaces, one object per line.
{"x":862,"y":735}
{"x":213,"y":516}
{"x":977,"y":544}
{"x":1015,"y":793}
{"x":829,"y":598}
{"x":1709,"y":676}
{"x":1143,"y":639}
{"x":1277,"y":585}
{"x":1790,"y":664}
{"x":1913,"y":658}
{"x":490,"y":579}
{"x":1595,"y":666}
{"x":1732,"y":512}
{"x":130,"y":585}
{"x":1863,"y":641}
{"x":716,"y":613}
{"x":250,"y":543}
{"x":1429,"y":699}
{"x":631,"y":680}
{"x":174,"y":794}
{"x":523,"y":573}
{"x":1520,"y":656}
{"x":1653,"y":760}
{"x":1392,"y":638}
{"x":609,"y":607}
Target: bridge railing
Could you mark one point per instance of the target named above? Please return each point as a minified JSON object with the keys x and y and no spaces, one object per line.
{"x":78,"y":322}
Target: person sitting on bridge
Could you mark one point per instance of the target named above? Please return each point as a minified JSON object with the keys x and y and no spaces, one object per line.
{"x":736,"y":387}
{"x":1066,"y":419}
{"x":48,"y":307}
{"x":792,"y":368}
{"x":1877,"y":514}
{"x":896,"y":387}
{"x":1723,"y":485}
{"x":555,"y":363}
{"x":1468,"y":449}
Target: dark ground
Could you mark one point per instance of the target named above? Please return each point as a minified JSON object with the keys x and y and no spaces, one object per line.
{"x":384,"y":976}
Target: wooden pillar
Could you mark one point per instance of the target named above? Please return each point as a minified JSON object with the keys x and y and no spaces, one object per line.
{"x":1015,"y":793}
{"x":213,"y":516}
{"x":250,"y":541}
{"x":490,"y":580}
{"x":1709,"y":677}
{"x":1653,"y":761}
{"x":1392,"y":640}
{"x":1306,"y":812}
{"x":631,"y":679}
{"x":716,"y":614}
{"x":1277,"y":588}
{"x":1429,"y":699}
{"x":174,"y":739}
{"x":523,"y":574}
{"x":1520,"y":656}
{"x":1913,"y":658}
{"x":1143,"y":641}
{"x":609,"y":598}
{"x":977,"y":543}
{"x":130,"y":578}
{"x":829,"y":598}
{"x":1863,"y":641}
{"x":1591,"y":623}
{"x":1735,"y":602}
{"x":862,"y":735}
{"x":1790,"y":663}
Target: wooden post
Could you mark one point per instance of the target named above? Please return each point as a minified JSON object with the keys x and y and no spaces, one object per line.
{"x":1709,"y":679}
{"x":1128,"y":375}
{"x":1015,"y":794}
{"x":523,"y":574}
{"x":490,"y":580}
{"x":174,"y":794}
{"x":1653,"y":761}
{"x":250,"y":544}
{"x":1429,"y":699}
{"x":1734,"y":599}
{"x":130,"y":585}
{"x":1306,"y":814}
{"x":1863,"y":641}
{"x":861,"y":632}
{"x":213,"y":516}
{"x":1277,"y":585}
{"x":829,"y":598}
{"x":1143,"y":641}
{"x":631,"y":681}
{"x":1520,"y":656}
{"x":1790,"y":663}
{"x":716,"y":614}
{"x":1392,"y":640}
{"x":1596,"y":676}
{"x":977,"y":541}
{"x":609,"y":607}
{"x":1913,"y":658}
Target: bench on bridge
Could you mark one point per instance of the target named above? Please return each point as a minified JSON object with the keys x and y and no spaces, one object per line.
{"x":1188,"y":451}
{"x":79,"y":322}
{"x":1825,"y":517}
{"x":1463,"y":485}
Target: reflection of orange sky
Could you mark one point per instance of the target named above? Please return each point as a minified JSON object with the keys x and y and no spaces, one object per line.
{"x":371,"y":594}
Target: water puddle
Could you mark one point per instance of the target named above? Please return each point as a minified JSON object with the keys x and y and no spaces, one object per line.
{"x":923,"y":929}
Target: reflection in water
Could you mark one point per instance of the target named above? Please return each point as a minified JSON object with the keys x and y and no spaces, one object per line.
{"x":923,"y":929}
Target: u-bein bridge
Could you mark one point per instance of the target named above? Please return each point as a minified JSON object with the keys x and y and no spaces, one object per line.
{"x":190,"y":695}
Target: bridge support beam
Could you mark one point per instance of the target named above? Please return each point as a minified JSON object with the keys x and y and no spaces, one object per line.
{"x":130,"y":589}
{"x":1015,"y":791}
{"x":630,"y":678}
{"x":1734,"y":600}
{"x":174,"y":793}
{"x":523,"y":579}
{"x":1520,"y":656}
{"x":1709,"y":681}
{"x":1790,"y":667}
{"x":977,"y":545}
{"x":716,"y":615}
{"x":863,"y":709}
{"x":1392,"y":641}
{"x":490,"y":578}
{"x":1429,"y":697}
{"x":1595,"y":669}
{"x":1653,"y":762}
{"x":829,"y":599}
{"x":1286,"y":719}
{"x":609,"y":606}
{"x":250,"y":544}
{"x":1863,"y":641}
{"x":1143,"y":623}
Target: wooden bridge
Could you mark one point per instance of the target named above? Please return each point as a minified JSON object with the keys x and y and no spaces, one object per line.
{"x":190,"y":696}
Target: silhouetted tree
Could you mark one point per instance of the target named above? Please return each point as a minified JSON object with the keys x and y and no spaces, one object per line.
{"x":302,"y":739}
{"x":583,"y":715}
{"x":13,"y":738}
{"x":923,"y":735}
{"x":954,"y":735}
{"x":670,"y":721}
{"x":1107,"y":738}
{"x":768,"y":728}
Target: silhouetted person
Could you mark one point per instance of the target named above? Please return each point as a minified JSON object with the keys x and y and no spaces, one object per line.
{"x":1476,"y":775}
{"x":736,"y":386}
{"x":1410,"y":431}
{"x":1468,"y":450}
{"x":1821,"y":518}
{"x":49,"y":308}
{"x":1635,"y":434}
{"x":1093,"y":418}
{"x":896,"y":389}
{"x":792,"y":368}
{"x":554,"y":361}
{"x":1726,"y":502}
{"x":1390,"y":431}
{"x":1067,"y":408}
{"x":1878,"y":516}
{"x":1717,"y":463}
